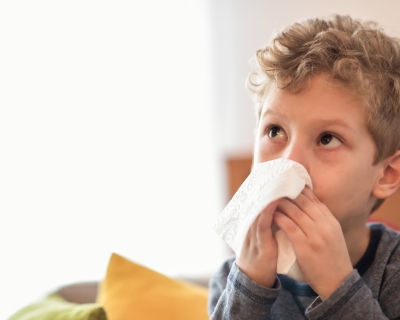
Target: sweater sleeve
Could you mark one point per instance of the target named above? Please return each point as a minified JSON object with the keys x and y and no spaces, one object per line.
{"x":234,"y":296}
{"x":354,"y":300}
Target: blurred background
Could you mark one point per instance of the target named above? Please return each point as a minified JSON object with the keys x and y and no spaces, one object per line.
{"x":117,"y":121}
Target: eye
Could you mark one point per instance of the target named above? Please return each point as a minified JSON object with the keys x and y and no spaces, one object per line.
{"x":328,"y":140}
{"x":275,"y":132}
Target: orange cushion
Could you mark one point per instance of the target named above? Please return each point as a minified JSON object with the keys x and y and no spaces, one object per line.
{"x":131,"y":291}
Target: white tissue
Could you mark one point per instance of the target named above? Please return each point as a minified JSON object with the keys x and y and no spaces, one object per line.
{"x":268,"y":181}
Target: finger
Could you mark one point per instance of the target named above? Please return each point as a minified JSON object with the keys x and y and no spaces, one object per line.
{"x":310,"y":195}
{"x":296,"y":214}
{"x":265,"y":216}
{"x":251,"y":236}
{"x":309,"y":203}
{"x":292,"y":230}
{"x":306,"y":206}
{"x":264,"y":231}
{"x":260,"y":224}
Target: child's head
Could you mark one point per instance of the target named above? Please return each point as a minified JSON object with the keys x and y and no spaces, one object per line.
{"x":358,"y":56}
{"x":343,"y":73}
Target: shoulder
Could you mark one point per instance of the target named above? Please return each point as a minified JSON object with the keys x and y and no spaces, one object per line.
{"x":385,"y":267}
{"x":389,"y":244}
{"x":389,"y":248}
{"x":385,"y":275}
{"x":382,"y":258}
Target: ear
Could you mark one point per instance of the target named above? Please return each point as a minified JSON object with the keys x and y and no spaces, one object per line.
{"x":389,"y":180}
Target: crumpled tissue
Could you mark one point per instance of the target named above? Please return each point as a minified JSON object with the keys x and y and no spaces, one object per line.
{"x":267,"y":182}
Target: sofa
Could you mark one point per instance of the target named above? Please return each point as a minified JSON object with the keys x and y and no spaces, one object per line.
{"x":128,"y":291}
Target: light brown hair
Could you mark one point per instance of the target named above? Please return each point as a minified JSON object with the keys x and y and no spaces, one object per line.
{"x":357,"y":55}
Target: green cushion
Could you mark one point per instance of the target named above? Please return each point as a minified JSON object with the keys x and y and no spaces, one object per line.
{"x":54,"y":307}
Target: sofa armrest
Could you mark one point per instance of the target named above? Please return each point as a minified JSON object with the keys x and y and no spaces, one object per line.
{"x":83,"y":292}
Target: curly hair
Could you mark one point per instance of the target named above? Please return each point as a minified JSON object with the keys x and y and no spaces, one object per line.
{"x":356,"y":55}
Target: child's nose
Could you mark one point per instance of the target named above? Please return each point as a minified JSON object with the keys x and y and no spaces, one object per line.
{"x":297,"y":152}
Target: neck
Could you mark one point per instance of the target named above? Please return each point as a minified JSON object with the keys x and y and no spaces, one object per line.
{"x":357,"y":242}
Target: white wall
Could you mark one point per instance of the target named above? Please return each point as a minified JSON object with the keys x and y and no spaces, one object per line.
{"x":106,"y":143}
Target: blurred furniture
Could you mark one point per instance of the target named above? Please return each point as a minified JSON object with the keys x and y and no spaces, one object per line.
{"x":86,"y":292}
{"x":82,"y":292}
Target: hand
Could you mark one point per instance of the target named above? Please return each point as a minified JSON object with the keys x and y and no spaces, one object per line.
{"x":318,"y":241}
{"x":258,"y":257}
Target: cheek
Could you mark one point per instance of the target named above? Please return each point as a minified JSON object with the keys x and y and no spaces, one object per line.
{"x":263,"y":156}
{"x":322,"y":188}
{"x":329,"y":189}
{"x":344,"y":192}
{"x":265,"y":150}
{"x":260,"y":153}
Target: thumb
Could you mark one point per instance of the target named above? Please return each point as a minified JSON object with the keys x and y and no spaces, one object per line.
{"x":264,"y":224}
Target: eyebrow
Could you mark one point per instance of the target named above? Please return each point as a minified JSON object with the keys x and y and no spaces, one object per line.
{"x":322,"y":122}
{"x":269,"y":111}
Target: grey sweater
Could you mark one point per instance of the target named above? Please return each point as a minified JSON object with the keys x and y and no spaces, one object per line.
{"x":372,"y":291}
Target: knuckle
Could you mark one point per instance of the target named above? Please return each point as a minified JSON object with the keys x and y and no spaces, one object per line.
{"x":308,"y":205}
{"x":316,"y":244}
{"x":314,"y":199}
{"x":298,"y":214}
{"x":291,"y":228}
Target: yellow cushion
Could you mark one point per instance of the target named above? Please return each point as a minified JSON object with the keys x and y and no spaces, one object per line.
{"x":131,"y":291}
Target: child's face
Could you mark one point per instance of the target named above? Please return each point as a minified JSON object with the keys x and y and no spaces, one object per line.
{"x":324,"y":129}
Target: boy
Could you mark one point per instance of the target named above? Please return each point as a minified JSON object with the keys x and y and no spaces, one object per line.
{"x":328,"y":97}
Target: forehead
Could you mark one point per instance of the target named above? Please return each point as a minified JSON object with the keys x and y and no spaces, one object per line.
{"x":322,"y":101}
